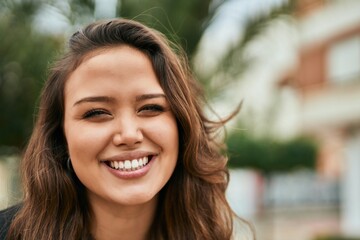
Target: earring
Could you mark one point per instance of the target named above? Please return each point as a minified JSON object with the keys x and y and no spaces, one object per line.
{"x":68,"y":164}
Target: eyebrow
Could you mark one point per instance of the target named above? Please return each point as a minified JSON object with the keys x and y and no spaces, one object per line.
{"x":111,"y":99}
{"x":149,"y":96}
{"x":94,"y":99}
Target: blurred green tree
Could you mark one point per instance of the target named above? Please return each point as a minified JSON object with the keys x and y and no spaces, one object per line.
{"x":268,"y":155}
{"x":182,"y":22}
{"x":24,"y":57}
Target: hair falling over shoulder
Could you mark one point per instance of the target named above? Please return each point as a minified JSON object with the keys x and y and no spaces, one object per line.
{"x":192,"y":205}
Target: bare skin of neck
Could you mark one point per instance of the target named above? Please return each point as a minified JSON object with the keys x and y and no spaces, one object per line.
{"x":114,"y":222}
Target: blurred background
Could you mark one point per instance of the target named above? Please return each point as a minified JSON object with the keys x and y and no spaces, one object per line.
{"x":294,"y":149}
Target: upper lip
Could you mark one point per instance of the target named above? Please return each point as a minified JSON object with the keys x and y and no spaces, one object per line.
{"x":129,"y":155}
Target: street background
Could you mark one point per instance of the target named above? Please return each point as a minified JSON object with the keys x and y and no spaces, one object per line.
{"x":294,"y":148}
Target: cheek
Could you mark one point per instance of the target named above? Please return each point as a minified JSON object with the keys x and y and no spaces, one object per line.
{"x":165,"y":133}
{"x":79,"y":142}
{"x":83,"y":140}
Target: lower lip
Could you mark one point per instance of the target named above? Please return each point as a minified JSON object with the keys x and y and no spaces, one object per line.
{"x":131,"y":174}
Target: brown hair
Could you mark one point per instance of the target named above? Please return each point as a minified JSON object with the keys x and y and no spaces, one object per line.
{"x":192,"y":204}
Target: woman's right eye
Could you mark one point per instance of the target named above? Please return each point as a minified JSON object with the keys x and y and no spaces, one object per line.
{"x":95,"y":113}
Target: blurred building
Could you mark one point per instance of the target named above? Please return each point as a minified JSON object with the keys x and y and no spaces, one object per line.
{"x":326,"y":80}
{"x":305,"y":80}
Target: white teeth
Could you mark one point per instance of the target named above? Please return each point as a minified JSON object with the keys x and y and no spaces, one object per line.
{"x":116,"y":165}
{"x":145,"y":160}
{"x":121,"y":164}
{"x":129,"y":165}
{"x":134,"y":164}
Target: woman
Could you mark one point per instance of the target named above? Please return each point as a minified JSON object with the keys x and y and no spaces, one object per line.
{"x":121,"y":148}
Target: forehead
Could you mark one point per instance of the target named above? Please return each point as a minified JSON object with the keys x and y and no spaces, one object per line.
{"x":118,"y":57}
{"x":121,"y":51}
{"x":121,"y":66}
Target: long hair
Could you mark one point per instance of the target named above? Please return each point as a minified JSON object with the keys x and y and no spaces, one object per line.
{"x":192,"y":205}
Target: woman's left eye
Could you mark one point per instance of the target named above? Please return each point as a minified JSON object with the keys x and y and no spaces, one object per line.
{"x":151,"y":109}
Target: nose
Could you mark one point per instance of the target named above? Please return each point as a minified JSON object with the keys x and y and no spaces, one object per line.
{"x":127,"y":133}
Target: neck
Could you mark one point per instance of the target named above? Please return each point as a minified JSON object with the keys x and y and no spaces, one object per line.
{"x":112,"y":221}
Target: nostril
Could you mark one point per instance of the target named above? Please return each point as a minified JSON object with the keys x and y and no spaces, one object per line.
{"x":128,"y":137}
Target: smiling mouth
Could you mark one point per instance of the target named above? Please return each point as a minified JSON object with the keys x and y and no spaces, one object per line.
{"x":129,"y":165}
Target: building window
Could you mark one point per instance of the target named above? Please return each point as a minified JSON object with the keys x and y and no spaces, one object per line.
{"x":343,"y":61}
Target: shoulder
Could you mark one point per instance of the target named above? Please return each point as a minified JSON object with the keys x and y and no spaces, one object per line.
{"x":6,"y":217}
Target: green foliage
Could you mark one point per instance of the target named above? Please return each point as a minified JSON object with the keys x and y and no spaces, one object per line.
{"x":269,"y":155}
{"x":336,"y":238}
{"x":181,"y":21}
{"x":24,"y":59}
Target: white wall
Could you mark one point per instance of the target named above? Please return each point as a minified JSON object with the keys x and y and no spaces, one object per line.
{"x":244,"y":192}
{"x":351,"y":188}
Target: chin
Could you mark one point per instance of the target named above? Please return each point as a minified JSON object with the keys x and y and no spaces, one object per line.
{"x":136,"y":199}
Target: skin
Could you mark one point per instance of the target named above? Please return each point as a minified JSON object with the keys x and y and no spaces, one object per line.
{"x":116,"y":109}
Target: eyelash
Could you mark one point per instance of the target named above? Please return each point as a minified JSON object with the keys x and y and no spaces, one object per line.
{"x":147,"y":108}
{"x":152,"y":108}
{"x":94,"y":113}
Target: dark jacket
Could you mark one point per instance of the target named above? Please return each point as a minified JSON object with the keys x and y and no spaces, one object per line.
{"x":6,"y":217}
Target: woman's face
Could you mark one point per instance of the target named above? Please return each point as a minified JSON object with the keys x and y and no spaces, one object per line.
{"x":121,"y":133}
